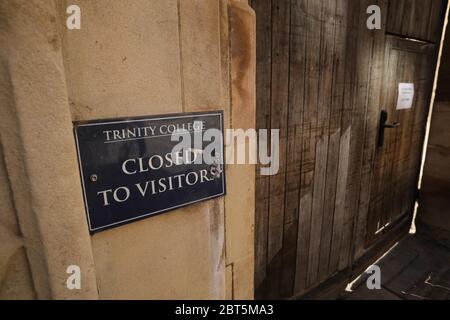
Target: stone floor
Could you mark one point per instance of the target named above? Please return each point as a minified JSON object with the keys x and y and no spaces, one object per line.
{"x":415,"y":269}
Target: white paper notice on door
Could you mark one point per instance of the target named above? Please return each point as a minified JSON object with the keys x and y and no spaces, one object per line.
{"x":405,"y":96}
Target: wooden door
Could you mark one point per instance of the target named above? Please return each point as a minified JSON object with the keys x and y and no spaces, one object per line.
{"x":323,"y":78}
{"x":397,"y":158}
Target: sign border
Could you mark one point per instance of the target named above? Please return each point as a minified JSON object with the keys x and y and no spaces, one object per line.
{"x":78,"y":124}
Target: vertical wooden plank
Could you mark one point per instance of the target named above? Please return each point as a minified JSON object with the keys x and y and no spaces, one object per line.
{"x":342,"y":229}
{"x":321,"y":134}
{"x":407,"y":15}
{"x":332,"y":72}
{"x":395,"y":20}
{"x":263,"y":11}
{"x":435,"y":20}
{"x":415,"y":18}
{"x":332,"y":211}
{"x":391,"y":152}
{"x":279,"y":112}
{"x":338,"y":236}
{"x":329,"y":204}
{"x":312,"y":61}
{"x":362,"y":64}
{"x":397,"y":64}
{"x":376,"y":74}
{"x":288,"y":260}
{"x":294,"y":147}
{"x":404,"y":117}
{"x":423,"y":19}
{"x":317,"y":209}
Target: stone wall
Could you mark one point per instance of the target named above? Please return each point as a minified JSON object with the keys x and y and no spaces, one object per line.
{"x":130,"y":58}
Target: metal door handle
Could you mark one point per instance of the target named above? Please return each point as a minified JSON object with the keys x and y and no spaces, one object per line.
{"x":392,"y":126}
{"x":383,"y":126}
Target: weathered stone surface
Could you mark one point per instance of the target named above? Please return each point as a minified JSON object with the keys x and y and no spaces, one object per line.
{"x":130,"y":58}
{"x":39,"y":152}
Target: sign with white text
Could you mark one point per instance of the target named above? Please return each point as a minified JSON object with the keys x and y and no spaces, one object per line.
{"x":131,"y":168}
{"x":405,"y":96}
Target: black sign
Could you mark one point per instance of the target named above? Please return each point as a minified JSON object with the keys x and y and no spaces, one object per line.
{"x":139,"y":167}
